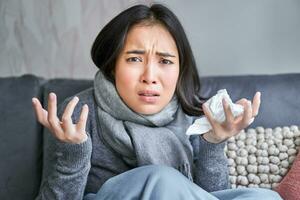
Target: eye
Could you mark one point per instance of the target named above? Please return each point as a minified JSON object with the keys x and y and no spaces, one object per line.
{"x":166,"y":62}
{"x":134,"y":59}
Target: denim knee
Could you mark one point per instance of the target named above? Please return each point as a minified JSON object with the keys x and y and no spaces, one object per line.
{"x":158,"y":174}
{"x":162,"y":172}
{"x":152,"y":182}
{"x":166,"y":177}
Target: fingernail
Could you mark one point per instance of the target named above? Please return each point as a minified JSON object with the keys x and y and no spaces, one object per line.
{"x":51,"y":95}
{"x":33,"y":100}
{"x":76,"y":98}
{"x":225,"y":102}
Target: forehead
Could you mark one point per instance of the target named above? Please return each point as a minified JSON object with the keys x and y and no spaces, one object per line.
{"x":150,"y":36}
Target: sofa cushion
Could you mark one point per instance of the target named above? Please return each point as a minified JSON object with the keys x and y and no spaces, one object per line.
{"x":64,"y":88}
{"x":20,"y":138}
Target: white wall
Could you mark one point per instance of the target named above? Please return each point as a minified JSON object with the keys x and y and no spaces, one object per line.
{"x":242,"y":37}
{"x":52,"y":38}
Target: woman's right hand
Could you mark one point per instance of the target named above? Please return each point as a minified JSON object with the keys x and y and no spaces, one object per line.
{"x":63,"y":130}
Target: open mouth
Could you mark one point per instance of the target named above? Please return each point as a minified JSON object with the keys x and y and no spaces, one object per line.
{"x":148,"y":93}
{"x":149,"y":96}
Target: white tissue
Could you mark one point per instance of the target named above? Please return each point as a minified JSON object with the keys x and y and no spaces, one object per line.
{"x":215,"y":106}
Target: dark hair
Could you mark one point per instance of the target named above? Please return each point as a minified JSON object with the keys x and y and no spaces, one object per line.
{"x":110,"y":42}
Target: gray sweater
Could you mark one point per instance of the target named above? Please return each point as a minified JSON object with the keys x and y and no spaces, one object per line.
{"x":72,"y":170}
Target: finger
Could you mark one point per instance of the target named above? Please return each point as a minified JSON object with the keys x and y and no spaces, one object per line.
{"x":67,"y":122}
{"x":40,"y":113}
{"x":256,"y":104}
{"x":238,"y":119}
{"x":83,"y":118}
{"x":52,"y":115}
{"x":228,"y":114}
{"x":246,"y":116}
{"x":242,"y":101}
{"x":208,"y":115}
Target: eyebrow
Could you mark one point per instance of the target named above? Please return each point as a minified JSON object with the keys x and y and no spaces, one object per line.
{"x":163,"y":54}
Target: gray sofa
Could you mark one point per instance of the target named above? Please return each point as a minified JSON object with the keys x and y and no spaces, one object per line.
{"x":21,"y":137}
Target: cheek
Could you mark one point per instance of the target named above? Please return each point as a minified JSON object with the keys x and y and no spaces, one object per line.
{"x":170,"y":79}
{"x":125,"y":80}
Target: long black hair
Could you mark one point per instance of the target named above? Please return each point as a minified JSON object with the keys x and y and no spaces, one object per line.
{"x":110,"y":42}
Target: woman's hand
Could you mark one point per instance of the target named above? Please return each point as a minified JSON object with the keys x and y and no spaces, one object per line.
{"x":232,"y":125}
{"x":63,"y":130}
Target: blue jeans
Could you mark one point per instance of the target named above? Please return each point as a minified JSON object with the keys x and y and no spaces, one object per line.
{"x":155,"y":182}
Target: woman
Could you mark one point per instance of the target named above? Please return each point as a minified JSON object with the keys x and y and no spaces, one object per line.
{"x":125,"y":138}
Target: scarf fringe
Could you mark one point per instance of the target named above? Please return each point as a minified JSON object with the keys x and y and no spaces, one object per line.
{"x":185,"y":169}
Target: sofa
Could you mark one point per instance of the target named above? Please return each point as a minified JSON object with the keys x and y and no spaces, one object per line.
{"x":21,"y":136}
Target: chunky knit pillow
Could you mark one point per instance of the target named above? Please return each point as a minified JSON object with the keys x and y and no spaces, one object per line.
{"x":261,"y":157}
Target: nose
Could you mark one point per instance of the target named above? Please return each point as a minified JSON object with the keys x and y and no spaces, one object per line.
{"x":149,"y":75}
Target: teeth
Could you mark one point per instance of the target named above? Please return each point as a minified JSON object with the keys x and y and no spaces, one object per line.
{"x":149,"y":95}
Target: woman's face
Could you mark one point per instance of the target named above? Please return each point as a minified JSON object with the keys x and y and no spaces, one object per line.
{"x":147,"y":69}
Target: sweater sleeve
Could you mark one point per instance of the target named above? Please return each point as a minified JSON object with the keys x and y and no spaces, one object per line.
{"x":210,"y":164}
{"x":66,"y":166}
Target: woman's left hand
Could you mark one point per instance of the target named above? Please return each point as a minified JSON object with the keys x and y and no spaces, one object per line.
{"x":232,"y":125}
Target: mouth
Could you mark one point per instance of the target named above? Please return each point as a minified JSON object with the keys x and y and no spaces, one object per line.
{"x":149,"y":93}
{"x":149,"y":96}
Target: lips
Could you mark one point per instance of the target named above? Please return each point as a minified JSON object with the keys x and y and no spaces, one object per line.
{"x":149,"y":96}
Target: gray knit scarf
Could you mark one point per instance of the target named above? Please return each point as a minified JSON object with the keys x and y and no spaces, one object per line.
{"x":143,"y":139}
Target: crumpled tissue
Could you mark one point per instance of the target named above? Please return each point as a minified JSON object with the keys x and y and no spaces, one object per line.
{"x":202,"y":125}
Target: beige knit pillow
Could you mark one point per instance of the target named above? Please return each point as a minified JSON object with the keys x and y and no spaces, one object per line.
{"x":261,"y":157}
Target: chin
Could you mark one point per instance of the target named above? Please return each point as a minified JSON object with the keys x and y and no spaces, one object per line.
{"x":148,"y":111}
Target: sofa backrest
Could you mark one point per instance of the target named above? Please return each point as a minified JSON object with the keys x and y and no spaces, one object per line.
{"x":280,"y":100}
